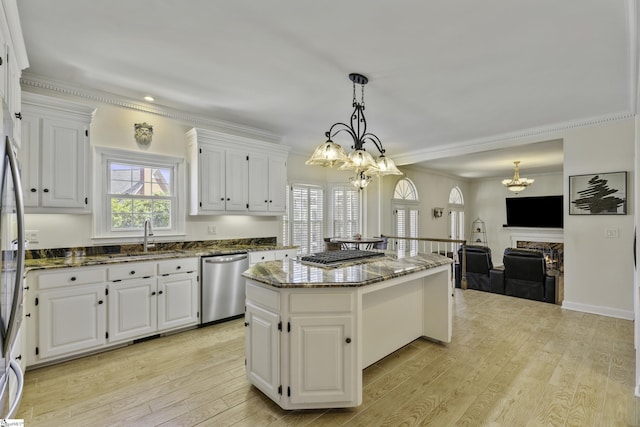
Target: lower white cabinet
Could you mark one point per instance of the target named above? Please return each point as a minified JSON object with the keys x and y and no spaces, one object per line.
{"x":71,"y":320}
{"x":177,"y":300}
{"x":132,"y":309}
{"x":74,"y":311}
{"x":300,"y":346}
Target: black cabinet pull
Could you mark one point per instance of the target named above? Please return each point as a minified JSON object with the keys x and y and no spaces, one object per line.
{"x":153,"y":293}
{"x":160,"y":292}
{"x":33,"y":190}
{"x":246,"y":324}
{"x":100,"y":302}
{"x":132,"y":272}
{"x":19,"y":357}
{"x":270,"y":201}
{"x":19,"y":116}
{"x":266,"y":201}
{"x":178,"y":267}
{"x":222,"y":199}
{"x":348,"y":340}
{"x":228,"y":199}
{"x":27,"y":315}
{"x":46,"y":190}
{"x":73,"y":279}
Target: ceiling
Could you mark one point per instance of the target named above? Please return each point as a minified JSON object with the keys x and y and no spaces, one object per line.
{"x":445,"y":77}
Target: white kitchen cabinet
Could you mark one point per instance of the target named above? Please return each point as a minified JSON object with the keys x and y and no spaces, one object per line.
{"x":229,"y":174}
{"x":178,"y":293}
{"x":71,"y":320}
{"x":55,"y":155}
{"x":262,"y":349}
{"x":132,"y":309}
{"x":267,"y":183}
{"x":301,"y":346}
{"x":271,"y":255}
{"x":321,"y":359}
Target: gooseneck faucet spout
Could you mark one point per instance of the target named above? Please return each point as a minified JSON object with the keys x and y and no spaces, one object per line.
{"x":148,"y":231}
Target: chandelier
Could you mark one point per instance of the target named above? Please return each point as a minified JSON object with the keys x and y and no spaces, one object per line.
{"x":517,"y":184}
{"x":359,"y":160}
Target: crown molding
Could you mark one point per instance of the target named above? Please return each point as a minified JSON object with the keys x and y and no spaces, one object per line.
{"x":32,"y":82}
{"x":504,"y":140}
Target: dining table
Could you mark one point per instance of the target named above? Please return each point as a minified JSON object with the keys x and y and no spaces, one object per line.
{"x":361,"y":243}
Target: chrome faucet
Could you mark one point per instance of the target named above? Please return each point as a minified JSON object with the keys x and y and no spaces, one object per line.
{"x":148,"y":231}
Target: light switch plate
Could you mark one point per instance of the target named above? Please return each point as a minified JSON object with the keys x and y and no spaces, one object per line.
{"x":611,"y":233}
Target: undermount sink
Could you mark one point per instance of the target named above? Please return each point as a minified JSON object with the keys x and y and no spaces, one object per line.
{"x":144,"y":255}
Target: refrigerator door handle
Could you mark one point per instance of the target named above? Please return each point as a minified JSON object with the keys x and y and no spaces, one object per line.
{"x":14,"y":320}
{"x":16,"y":370}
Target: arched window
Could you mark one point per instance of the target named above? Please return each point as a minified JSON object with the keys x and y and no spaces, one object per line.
{"x":405,"y":211}
{"x":456,"y":216}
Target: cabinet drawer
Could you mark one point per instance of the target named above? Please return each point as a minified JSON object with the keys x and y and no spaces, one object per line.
{"x":182,"y":265}
{"x":261,"y":256}
{"x":286,"y":253}
{"x":131,"y":270}
{"x":320,"y":303}
{"x":71,"y":276}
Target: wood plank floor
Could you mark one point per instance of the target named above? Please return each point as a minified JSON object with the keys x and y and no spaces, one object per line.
{"x":512,"y":362}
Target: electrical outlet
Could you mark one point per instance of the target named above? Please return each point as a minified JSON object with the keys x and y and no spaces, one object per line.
{"x":611,"y":233}
{"x":212,"y":229}
{"x":31,"y":236}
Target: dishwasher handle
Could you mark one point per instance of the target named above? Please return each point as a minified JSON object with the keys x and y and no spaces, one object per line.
{"x":224,"y":259}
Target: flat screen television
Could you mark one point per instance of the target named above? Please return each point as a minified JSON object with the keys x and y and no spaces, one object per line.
{"x":542,"y":211}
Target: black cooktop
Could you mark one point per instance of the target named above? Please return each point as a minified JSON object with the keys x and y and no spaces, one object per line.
{"x":332,"y":258}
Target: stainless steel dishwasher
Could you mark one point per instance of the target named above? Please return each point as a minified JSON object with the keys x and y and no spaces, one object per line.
{"x":223,"y":292}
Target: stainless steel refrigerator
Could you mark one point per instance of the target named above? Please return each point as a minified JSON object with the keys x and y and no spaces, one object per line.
{"x":12,"y":247}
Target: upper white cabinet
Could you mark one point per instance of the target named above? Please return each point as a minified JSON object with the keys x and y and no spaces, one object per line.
{"x":230,"y":174}
{"x":55,"y":155}
{"x":13,"y":59}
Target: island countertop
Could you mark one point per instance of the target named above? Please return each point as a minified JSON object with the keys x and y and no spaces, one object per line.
{"x":293,"y":273}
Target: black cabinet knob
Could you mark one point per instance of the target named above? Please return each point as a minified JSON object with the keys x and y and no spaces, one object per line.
{"x":228,"y":199}
{"x":100,"y":302}
{"x":270,"y":201}
{"x":73,"y":279}
{"x":178,"y":267}
{"x":132,"y":272}
{"x":46,"y":190}
{"x":246,"y":324}
{"x":222,"y":199}
{"x":348,"y":340}
{"x":33,"y":190}
{"x":153,"y":293}
{"x":160,"y":292}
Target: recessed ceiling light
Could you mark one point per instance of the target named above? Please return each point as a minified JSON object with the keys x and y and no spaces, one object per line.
{"x":149,"y":98}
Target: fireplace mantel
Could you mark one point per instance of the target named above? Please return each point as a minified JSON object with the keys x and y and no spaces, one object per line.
{"x":537,"y":235}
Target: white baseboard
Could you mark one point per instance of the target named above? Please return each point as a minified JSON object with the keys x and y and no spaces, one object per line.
{"x":598,"y":309}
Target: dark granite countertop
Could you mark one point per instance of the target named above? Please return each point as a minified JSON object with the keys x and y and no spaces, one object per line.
{"x":102,"y":255}
{"x":293,"y":273}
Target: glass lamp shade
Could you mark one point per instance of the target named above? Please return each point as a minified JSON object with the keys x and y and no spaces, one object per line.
{"x":327,"y":154}
{"x":359,"y":160}
{"x":517,"y":186}
{"x":360,"y":181}
{"x":386,"y":166}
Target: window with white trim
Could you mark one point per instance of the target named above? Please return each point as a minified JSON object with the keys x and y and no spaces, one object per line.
{"x":303,"y":225}
{"x":405,"y":213}
{"x":345,"y":210}
{"x":456,"y":217}
{"x":136,"y":187}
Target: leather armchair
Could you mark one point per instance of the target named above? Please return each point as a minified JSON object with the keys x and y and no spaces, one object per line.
{"x":479,"y":266}
{"x":525,"y":275}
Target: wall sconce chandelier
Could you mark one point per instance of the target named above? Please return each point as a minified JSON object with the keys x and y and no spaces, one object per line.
{"x":517,"y":184}
{"x":359,"y":160}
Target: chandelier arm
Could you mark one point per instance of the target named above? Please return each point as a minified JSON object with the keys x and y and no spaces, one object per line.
{"x":358,"y":118}
{"x":346,"y":128}
{"x":376,"y":141}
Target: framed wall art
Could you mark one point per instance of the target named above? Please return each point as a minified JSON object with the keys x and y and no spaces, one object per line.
{"x":598,"y":194}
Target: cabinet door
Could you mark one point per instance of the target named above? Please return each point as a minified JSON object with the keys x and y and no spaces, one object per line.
{"x":277,"y":184}
{"x":64,"y":159}
{"x":132,"y":309}
{"x":322,"y":359}
{"x":177,"y":301}
{"x":262,"y":350}
{"x":258,"y":182}
{"x":237,"y":180}
{"x":212,"y":177}
{"x":71,"y":320}
{"x":29,"y":155}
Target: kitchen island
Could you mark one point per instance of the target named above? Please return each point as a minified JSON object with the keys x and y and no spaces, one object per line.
{"x":312,"y":330}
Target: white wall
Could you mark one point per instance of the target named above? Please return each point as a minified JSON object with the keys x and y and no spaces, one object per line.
{"x":112,"y":126}
{"x":599,"y":270}
{"x":486,"y":200}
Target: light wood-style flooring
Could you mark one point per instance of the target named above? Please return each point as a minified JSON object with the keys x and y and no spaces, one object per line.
{"x":512,"y":362}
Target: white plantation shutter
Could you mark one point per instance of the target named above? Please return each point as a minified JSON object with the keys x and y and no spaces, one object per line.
{"x":346,"y":211}
{"x":405,"y":209}
{"x":303,"y":226}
